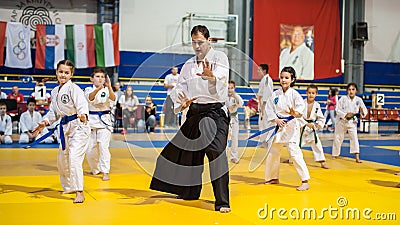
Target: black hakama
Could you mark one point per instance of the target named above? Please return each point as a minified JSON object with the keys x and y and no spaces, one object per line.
{"x":179,"y":167}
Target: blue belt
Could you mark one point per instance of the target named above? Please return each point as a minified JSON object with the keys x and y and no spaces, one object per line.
{"x":100,"y":113}
{"x":275,"y":128}
{"x":64,"y":120}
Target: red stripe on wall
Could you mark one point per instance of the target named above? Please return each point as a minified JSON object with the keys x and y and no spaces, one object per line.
{"x":3,"y":26}
{"x":115,"y":33}
{"x":40,"y":60}
{"x":90,"y":45}
{"x":323,"y":14}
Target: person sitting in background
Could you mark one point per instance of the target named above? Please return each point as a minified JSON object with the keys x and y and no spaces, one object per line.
{"x":28,"y":121}
{"x":5,"y":125}
{"x":16,"y":95}
{"x":250,"y":110}
{"x":42,"y":98}
{"x":150,"y":114}
{"x":2,"y":95}
{"x":129,"y":103}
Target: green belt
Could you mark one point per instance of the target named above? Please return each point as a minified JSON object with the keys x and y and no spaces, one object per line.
{"x":302,"y":132}
{"x":353,"y":116}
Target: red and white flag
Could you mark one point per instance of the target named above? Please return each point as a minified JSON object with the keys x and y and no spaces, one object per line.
{"x":18,"y":50}
{"x":3,"y":26}
{"x":80,"y":45}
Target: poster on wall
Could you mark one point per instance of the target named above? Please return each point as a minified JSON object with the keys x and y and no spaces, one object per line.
{"x":297,"y":49}
{"x":314,"y":26}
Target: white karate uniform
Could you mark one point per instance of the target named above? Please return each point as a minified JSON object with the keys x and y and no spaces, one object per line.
{"x":188,"y":80}
{"x":278,"y":105}
{"x":301,"y":59}
{"x":70,"y":100}
{"x":28,"y":122}
{"x":6,"y":127}
{"x":310,"y":134}
{"x":347,"y":105}
{"x":234,"y":125}
{"x":98,"y":153}
{"x":265,"y":89}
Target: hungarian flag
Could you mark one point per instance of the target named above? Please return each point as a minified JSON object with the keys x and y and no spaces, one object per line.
{"x":107,"y":45}
{"x":80,"y":45}
{"x":3,"y":26}
{"x":49,"y":45}
{"x":18,"y":53}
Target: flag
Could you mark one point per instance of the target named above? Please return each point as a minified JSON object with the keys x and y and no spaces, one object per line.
{"x":49,"y":45}
{"x":18,"y":51}
{"x":80,"y":45}
{"x":107,"y":44}
{"x":3,"y":26}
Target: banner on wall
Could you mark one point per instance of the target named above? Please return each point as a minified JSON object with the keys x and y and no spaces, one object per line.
{"x":107,"y":44}
{"x":80,"y":45}
{"x":18,"y":50}
{"x":49,"y":45}
{"x":320,"y":22}
{"x":3,"y":26}
{"x":297,"y":50}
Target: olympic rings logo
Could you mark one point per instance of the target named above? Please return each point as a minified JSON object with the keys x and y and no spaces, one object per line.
{"x":19,"y":48}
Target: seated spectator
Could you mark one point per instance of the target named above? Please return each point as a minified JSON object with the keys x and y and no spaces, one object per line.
{"x":150,"y":114}
{"x":5,"y":125}
{"x":16,"y":95}
{"x":129,"y":103}
{"x":42,"y":99}
{"x":28,"y":121}
{"x":250,"y":110}
{"x":115,"y":105}
{"x":2,"y":95}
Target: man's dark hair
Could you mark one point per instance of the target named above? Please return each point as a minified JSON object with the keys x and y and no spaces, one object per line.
{"x":264,"y":67}
{"x":200,"y":29}
{"x":232,"y":82}
{"x":30,"y":100}
{"x":98,"y":70}
{"x":312,"y":86}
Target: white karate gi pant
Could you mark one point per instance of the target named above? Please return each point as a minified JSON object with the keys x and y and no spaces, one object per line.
{"x":98,"y":153}
{"x":262,"y":125}
{"x":317,"y":149}
{"x":71,"y":159}
{"x":24,"y":138}
{"x":341,"y":127}
{"x":234,"y":133}
{"x":7,"y":140}
{"x":272,"y":162}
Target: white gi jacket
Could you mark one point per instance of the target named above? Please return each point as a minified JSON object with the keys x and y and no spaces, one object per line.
{"x":316,"y":116}
{"x":347,"y":105}
{"x":194,"y":86}
{"x":67,"y":100}
{"x":265,"y":88}
{"x":6,"y":124}
{"x":28,"y":123}
{"x":301,"y":59}
{"x":278,"y":105}
{"x":231,"y":101}
{"x":101,"y":102}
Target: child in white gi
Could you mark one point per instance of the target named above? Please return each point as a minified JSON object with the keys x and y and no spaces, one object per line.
{"x":100,"y":96}
{"x":265,"y":90}
{"x":312,"y":120}
{"x":5,"y":125}
{"x":68,"y":102}
{"x":347,"y":110}
{"x":233,"y":102}
{"x":28,"y":121}
{"x":282,"y":111}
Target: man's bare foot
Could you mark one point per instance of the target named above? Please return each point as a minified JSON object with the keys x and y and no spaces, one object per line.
{"x":357,"y":156}
{"x":358,"y":161}
{"x":303,"y":187}
{"x":334,"y":157}
{"x":79,"y":197}
{"x":105,"y":176}
{"x":323,"y":165}
{"x":272,"y":181}
{"x":224,"y":210}
{"x":68,"y":192}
